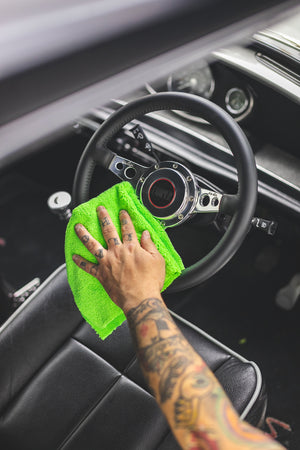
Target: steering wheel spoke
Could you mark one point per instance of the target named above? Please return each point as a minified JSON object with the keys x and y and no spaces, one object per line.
{"x":127,"y":170}
{"x":208,"y":201}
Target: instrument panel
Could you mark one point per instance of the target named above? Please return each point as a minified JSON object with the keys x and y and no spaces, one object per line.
{"x":213,"y":81}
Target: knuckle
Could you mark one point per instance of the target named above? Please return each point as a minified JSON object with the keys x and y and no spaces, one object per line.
{"x":130,"y":247}
{"x":106,"y":231}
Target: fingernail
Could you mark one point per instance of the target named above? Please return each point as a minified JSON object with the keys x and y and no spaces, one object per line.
{"x":100,"y":208}
{"x":123,"y":211}
{"x":75,"y":257}
{"x":77,"y":226}
{"x":146,"y":234}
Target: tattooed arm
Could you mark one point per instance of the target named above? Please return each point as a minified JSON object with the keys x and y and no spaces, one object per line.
{"x":195,"y":405}
{"x":198,"y":410}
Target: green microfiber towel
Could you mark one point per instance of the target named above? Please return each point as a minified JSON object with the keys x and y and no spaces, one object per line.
{"x":93,"y":302}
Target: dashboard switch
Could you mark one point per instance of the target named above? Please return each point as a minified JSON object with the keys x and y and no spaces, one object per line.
{"x":268,"y":226}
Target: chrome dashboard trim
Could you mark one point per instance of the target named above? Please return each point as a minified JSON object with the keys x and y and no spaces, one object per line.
{"x":241,"y":115}
{"x":244,"y":60}
{"x":279,"y":68}
{"x":280,"y":42}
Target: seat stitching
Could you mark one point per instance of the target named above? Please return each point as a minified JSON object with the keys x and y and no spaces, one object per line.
{"x":36,"y":373}
{"x":128,"y":365}
{"x":89,"y":411}
{"x":95,"y":405}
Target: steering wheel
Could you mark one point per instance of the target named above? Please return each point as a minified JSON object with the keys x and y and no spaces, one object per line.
{"x":169,"y":189}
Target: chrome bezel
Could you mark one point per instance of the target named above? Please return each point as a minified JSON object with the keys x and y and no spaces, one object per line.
{"x":236,"y":112}
{"x":190,"y":197}
{"x":209,"y":94}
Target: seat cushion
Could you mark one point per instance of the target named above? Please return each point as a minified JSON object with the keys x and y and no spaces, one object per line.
{"x":62,"y":387}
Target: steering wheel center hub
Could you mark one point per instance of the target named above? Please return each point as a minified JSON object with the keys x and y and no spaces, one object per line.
{"x":168,"y":190}
{"x":162,"y":193}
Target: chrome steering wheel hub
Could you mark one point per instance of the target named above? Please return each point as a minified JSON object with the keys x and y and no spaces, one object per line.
{"x":169,"y":191}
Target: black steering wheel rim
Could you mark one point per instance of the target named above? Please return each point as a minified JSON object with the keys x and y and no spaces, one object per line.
{"x":96,"y":152}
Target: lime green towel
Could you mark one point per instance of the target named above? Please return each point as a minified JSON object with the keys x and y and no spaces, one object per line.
{"x":93,"y":302}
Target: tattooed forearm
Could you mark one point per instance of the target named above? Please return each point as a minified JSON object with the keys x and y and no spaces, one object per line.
{"x":192,"y":389}
{"x":164,"y":353}
{"x":154,"y":356}
{"x":149,"y":309}
{"x":197,"y":408}
{"x":170,"y":376}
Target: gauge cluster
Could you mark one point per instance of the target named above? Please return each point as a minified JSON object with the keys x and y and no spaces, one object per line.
{"x":196,"y":79}
{"x":213,"y":81}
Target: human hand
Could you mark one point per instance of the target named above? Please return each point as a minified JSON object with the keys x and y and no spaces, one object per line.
{"x":129,"y":271}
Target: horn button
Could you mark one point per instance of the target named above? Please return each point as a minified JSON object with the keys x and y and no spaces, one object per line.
{"x":161,"y":193}
{"x":168,"y":190}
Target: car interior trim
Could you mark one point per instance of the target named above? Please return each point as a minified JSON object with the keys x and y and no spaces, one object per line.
{"x":279,"y":68}
{"x":279,"y":42}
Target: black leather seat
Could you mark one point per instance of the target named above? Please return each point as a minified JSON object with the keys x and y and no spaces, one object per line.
{"x":61,"y":387}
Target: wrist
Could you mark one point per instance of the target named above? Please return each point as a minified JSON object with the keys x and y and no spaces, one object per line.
{"x":132,"y":302}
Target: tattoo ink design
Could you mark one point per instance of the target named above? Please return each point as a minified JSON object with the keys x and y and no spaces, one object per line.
{"x":240,"y":433}
{"x":85,"y":239}
{"x":99,"y":253}
{"x":193,"y":388}
{"x":168,"y":356}
{"x":155,"y":312}
{"x":149,"y":309}
{"x":129,"y":237}
{"x":154,"y":356}
{"x":202,"y":439}
{"x":83,"y":264}
{"x":124,"y":222}
{"x":170,"y":376}
{"x":105,"y":222}
{"x":116,"y":241}
{"x":94,"y":269}
{"x":189,"y":387}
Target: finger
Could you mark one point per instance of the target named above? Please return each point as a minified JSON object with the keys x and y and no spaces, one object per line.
{"x":85,"y":265}
{"x":147,"y":243}
{"x":127,"y":228}
{"x":108,"y":229}
{"x":91,"y":244}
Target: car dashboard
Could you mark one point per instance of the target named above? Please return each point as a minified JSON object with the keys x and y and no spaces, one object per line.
{"x":261,"y":98}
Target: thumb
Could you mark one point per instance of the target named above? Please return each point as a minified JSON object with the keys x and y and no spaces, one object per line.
{"x":147,"y":243}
